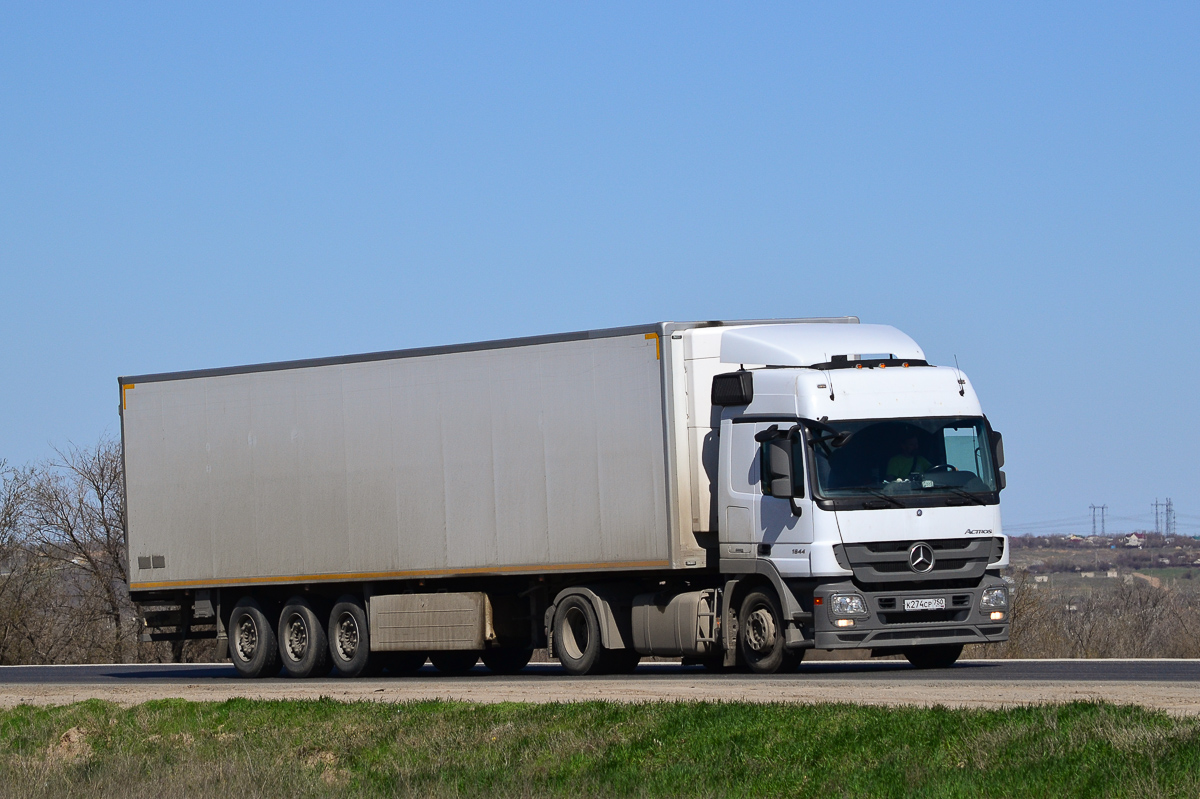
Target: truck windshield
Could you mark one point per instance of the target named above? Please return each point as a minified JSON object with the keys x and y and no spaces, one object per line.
{"x":904,"y":457}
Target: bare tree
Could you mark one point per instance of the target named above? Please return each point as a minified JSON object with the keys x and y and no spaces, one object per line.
{"x":75,"y":517}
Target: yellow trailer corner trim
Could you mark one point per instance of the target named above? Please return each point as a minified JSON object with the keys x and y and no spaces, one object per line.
{"x":657,"y":345}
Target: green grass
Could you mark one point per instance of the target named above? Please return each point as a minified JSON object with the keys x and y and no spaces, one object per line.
{"x":244,"y":748}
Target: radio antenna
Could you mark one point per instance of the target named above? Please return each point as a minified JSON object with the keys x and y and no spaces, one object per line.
{"x":962,"y":390}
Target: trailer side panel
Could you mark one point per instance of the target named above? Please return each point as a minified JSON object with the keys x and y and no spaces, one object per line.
{"x":524,"y":459}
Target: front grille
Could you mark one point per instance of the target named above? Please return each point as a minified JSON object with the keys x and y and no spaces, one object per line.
{"x":958,"y":562}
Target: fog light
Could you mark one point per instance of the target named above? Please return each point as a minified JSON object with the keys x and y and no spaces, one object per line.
{"x":994,"y":598}
{"x":850,"y":622}
{"x":997,"y":615}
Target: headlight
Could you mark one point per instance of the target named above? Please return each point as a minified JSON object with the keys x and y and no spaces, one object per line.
{"x":994,"y":598}
{"x":848,"y":605}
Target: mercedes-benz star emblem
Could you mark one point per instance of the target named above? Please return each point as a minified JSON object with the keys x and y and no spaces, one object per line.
{"x":920,"y":558}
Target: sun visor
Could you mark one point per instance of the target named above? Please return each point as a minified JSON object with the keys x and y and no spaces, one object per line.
{"x":811,"y":344}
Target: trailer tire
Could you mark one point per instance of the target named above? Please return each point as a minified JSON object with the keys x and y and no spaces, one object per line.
{"x":933,"y":657}
{"x":761,"y":634}
{"x":303,"y":645}
{"x":507,"y":659}
{"x":350,"y":640}
{"x":404,"y":664}
{"x":454,"y":662}
{"x":252,"y":644}
{"x":577,"y":636}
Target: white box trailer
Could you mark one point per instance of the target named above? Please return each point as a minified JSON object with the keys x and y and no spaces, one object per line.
{"x":366,"y":511}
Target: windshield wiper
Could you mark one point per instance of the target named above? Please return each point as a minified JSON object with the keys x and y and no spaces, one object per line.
{"x":884,"y":497}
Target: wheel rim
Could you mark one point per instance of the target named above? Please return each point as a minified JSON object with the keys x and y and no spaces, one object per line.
{"x":574,"y":633}
{"x":347,"y":636}
{"x":761,"y":631}
{"x":246,"y":638}
{"x":295,"y":637}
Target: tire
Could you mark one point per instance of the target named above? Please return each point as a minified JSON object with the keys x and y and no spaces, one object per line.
{"x":303,"y":645}
{"x":761,"y":635}
{"x":454,"y":662}
{"x":577,"y":636}
{"x":350,"y":640}
{"x":404,"y":664}
{"x":933,"y":657}
{"x":252,"y":644}
{"x":507,"y":659}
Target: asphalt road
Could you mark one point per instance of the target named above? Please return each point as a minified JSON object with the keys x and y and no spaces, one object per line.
{"x":888,"y":671}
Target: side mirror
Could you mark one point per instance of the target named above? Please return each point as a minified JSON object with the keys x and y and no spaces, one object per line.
{"x":1001,"y":480}
{"x":777,"y":460}
{"x":998,"y":448}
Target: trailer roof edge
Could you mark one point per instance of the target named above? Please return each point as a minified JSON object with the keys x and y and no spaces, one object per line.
{"x":495,"y":344}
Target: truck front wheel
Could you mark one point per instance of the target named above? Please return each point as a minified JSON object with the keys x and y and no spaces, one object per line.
{"x":577,"y":636}
{"x":933,"y":657}
{"x":761,"y":635}
{"x":252,"y":645}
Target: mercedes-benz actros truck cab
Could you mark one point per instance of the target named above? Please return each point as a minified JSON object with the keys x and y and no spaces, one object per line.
{"x":864,"y":483}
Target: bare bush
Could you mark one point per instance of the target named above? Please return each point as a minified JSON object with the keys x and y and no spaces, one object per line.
{"x":75,"y":518}
{"x":1133,"y":619}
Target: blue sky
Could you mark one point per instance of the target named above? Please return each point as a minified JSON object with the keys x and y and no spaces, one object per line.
{"x":185,"y":186}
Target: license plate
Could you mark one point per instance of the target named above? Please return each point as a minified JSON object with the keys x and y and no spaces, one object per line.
{"x":925,"y":604}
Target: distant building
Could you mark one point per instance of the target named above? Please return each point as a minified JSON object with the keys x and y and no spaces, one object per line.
{"x":1135,"y":540}
{"x":1113,"y":573}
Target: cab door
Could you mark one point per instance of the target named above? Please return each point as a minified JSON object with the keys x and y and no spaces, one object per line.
{"x":784,"y":525}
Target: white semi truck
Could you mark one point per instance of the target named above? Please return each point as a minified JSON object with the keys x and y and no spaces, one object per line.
{"x":732,"y":493}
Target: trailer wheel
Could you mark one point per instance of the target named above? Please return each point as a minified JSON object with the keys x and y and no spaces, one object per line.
{"x":577,"y":636}
{"x":350,"y":640}
{"x":933,"y":657}
{"x":761,"y":635}
{"x":403,"y":664}
{"x":303,"y":646}
{"x":252,"y":645}
{"x":454,"y":662}
{"x":507,"y":659}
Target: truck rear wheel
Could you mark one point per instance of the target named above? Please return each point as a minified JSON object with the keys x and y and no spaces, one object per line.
{"x":252,"y":644}
{"x":761,"y":635}
{"x":507,"y":659}
{"x":454,"y":662}
{"x":303,"y":646}
{"x":933,"y":657}
{"x":577,"y":636}
{"x":350,"y":641}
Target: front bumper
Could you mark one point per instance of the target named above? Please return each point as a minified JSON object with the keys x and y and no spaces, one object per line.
{"x":887,"y":626}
